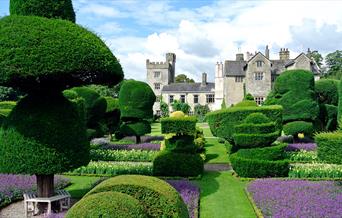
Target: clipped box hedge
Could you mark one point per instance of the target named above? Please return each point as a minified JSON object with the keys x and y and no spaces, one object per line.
{"x":109,"y":205}
{"x":253,"y":128}
{"x":255,"y":140}
{"x":295,"y":127}
{"x":158,"y":198}
{"x":177,"y":164}
{"x":261,"y":162}
{"x":329,"y":147}
{"x":178,"y":125}
{"x":222,"y":122}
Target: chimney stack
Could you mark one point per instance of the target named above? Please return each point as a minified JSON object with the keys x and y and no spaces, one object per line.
{"x":267,"y":52}
{"x":204,"y":79}
{"x":239,"y":57}
{"x":284,"y":54}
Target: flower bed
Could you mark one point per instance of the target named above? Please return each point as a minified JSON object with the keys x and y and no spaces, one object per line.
{"x":142,"y":146}
{"x":107,"y":168}
{"x":122,"y":155}
{"x":315,"y":170}
{"x":190,"y":194}
{"x":301,"y":146}
{"x":297,"y":198}
{"x":302,"y":156}
{"x":12,"y":186}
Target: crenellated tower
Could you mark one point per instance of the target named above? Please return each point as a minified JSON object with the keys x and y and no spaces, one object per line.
{"x":219,"y":85}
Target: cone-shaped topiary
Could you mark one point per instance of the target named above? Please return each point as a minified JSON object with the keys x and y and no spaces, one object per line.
{"x":49,"y":54}
{"x":61,"y":9}
{"x":136,"y":101}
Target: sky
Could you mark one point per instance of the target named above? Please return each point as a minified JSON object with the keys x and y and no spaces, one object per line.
{"x":203,"y":32}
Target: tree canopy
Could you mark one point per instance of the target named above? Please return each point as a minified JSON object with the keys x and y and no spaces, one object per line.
{"x":334,"y":64}
{"x":182,"y":78}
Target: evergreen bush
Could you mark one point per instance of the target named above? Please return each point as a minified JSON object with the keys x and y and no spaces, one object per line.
{"x":293,"y":128}
{"x":158,"y":198}
{"x":107,"y":204}
{"x":180,"y":126}
{"x":246,"y":103}
{"x":329,"y":147}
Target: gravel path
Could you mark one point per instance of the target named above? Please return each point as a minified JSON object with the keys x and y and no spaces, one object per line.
{"x":217,"y":167}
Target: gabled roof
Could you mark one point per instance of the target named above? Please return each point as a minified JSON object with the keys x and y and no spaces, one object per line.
{"x":256,"y":55}
{"x":189,"y":87}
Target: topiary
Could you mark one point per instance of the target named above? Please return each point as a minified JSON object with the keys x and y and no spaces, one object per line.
{"x":329,"y":147}
{"x":34,"y":44}
{"x":293,"y":128}
{"x":327,"y":91}
{"x":112,"y":116}
{"x":257,"y":118}
{"x":246,"y":103}
{"x":249,"y":97}
{"x":177,"y":114}
{"x":107,"y":204}
{"x":158,"y":198}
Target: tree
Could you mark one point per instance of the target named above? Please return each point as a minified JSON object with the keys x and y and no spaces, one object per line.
{"x":180,"y":106}
{"x":45,"y":133}
{"x":316,"y":56}
{"x":9,"y":94}
{"x":334,"y":64}
{"x":201,"y":111}
{"x":182,"y":78}
{"x":136,"y":102}
{"x":164,"y":109}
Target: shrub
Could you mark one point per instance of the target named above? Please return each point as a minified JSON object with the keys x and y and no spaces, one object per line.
{"x":9,"y":94}
{"x":135,"y":128}
{"x":82,"y":57}
{"x":43,"y":8}
{"x":246,"y":103}
{"x":107,"y":204}
{"x":327,"y":91}
{"x":257,"y":118}
{"x":180,"y":144}
{"x":248,"y":128}
{"x":158,"y":198}
{"x":249,"y":97}
{"x":177,"y":114}
{"x":222,"y":122}
{"x":293,"y":128}
{"x":339,"y":111}
{"x":9,"y":105}
{"x":302,"y":156}
{"x":260,"y":162}
{"x":329,"y":147}
{"x":180,"y":106}
{"x":112,"y":116}
{"x":201,"y":111}
{"x":177,"y":164}
{"x":180,"y":126}
{"x":255,"y":140}
{"x":294,"y":90}
{"x":122,"y":155}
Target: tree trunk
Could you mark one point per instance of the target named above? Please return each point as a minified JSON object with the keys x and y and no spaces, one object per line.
{"x":138,"y":139}
{"x":45,"y":188}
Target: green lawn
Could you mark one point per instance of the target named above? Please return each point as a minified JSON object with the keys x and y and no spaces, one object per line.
{"x":223,"y":196}
{"x":155,"y":129}
{"x":215,"y":151}
{"x":80,"y":185}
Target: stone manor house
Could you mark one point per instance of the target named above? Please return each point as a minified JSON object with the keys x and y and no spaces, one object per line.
{"x":254,"y":74}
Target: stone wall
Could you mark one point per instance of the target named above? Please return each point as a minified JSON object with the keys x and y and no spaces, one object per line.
{"x":233,"y":91}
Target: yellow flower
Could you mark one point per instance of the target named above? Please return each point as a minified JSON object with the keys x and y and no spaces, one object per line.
{"x":300,"y":135}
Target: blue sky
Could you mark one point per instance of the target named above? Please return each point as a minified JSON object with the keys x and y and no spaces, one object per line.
{"x":204,"y":32}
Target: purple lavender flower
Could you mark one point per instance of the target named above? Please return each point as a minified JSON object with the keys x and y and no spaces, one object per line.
{"x":190,"y":194}
{"x":297,"y":198}
{"x":142,"y":146}
{"x":301,"y":146}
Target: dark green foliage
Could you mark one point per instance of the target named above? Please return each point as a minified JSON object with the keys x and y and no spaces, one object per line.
{"x":257,"y":118}
{"x":334,"y":64}
{"x":329,"y":146}
{"x":182,"y":78}
{"x":294,"y":90}
{"x":61,"y":9}
{"x":106,"y":91}
{"x":245,"y":140}
{"x":201,"y":111}
{"x":259,"y":128}
{"x":327,"y":91}
{"x":9,"y":94}
{"x":177,"y":164}
{"x":7,"y":105}
{"x":260,"y":162}
{"x":39,"y":137}
{"x":136,"y":100}
{"x":158,"y":198}
{"x":293,"y":128}
{"x":164,"y":108}
{"x":246,"y":103}
{"x":222,"y":122}
{"x":249,"y":97}
{"x":180,"y":106}
{"x":135,"y":128}
{"x":38,"y":53}
{"x":112,"y":116}
{"x":181,"y":144}
{"x":179,"y":126}
{"x":330,"y":120}
{"x":107,"y":204}
{"x":339,"y":109}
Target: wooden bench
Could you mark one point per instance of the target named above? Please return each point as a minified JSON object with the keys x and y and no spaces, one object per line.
{"x":31,"y":201}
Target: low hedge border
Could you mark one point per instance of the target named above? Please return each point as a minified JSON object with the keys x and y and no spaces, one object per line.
{"x":178,"y":125}
{"x":329,"y":148}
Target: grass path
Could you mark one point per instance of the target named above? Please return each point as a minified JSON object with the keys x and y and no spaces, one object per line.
{"x":80,"y":185}
{"x":222,"y":196}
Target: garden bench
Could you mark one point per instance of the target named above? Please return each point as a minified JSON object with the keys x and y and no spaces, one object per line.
{"x":31,"y":201}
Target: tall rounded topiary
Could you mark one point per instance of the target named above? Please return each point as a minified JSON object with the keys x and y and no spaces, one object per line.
{"x":136,"y":100}
{"x":45,"y":132}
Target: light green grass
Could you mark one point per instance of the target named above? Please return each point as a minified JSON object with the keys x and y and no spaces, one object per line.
{"x":80,"y":185}
{"x":215,"y":151}
{"x":155,"y":129}
{"x":223,"y":196}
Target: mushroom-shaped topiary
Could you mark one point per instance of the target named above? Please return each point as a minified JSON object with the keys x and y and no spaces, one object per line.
{"x":45,"y":132}
{"x":136,"y":100}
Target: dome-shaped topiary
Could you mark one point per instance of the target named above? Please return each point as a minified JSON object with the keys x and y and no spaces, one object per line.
{"x":246,"y":103}
{"x":158,"y":198}
{"x":42,"y":135}
{"x":257,"y":118}
{"x":38,"y":53}
{"x":108,"y":205}
{"x":136,"y":100}
{"x":61,"y":9}
{"x":177,"y":114}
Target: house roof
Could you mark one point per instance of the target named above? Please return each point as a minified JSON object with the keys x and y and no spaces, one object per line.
{"x":189,"y":87}
{"x":234,"y":68}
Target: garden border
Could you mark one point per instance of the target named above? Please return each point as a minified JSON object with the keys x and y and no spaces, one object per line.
{"x":257,"y":211}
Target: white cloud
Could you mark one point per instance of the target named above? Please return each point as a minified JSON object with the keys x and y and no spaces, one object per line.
{"x":101,"y":10}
